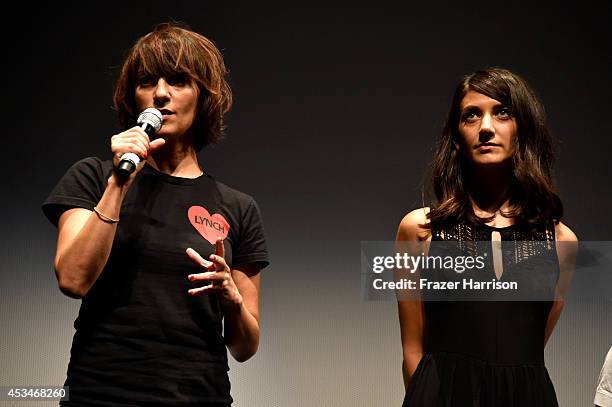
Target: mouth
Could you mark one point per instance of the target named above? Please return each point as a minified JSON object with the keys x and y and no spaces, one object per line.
{"x":166,"y":112}
{"x":486,"y":145}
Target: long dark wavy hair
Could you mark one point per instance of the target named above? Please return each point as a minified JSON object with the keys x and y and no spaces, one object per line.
{"x":533,"y":197}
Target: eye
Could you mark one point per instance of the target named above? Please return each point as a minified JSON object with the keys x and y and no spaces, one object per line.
{"x":504,"y":113}
{"x":470,"y":116}
{"x":145,"y":80}
{"x":178,"y":79}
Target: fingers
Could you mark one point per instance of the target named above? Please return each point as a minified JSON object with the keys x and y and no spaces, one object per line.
{"x":219,"y":263}
{"x":200,"y":290}
{"x":197,"y":259}
{"x":156,"y":144}
{"x":135,"y":135}
{"x":219,"y":275}
{"x":134,"y":140}
{"x":219,"y":248}
{"x":217,"y":260}
{"x":219,"y":282}
{"x":218,"y":279}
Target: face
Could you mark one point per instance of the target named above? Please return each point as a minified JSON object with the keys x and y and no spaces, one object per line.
{"x":487,"y":130}
{"x":175,"y":97}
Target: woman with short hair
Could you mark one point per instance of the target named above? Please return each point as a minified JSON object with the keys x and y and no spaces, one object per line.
{"x":166,"y":259}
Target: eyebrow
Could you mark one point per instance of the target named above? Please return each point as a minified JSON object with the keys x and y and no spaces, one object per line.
{"x":474,"y":107}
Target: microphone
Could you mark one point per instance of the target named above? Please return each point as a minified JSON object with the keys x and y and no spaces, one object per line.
{"x":150,"y":120}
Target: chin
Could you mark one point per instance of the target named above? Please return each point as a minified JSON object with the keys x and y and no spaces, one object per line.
{"x":165,"y":133}
{"x":491,"y":161}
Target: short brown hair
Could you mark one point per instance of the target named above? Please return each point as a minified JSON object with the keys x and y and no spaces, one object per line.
{"x":172,"y":49}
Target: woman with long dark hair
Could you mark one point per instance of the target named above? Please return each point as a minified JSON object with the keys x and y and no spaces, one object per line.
{"x":492,"y":178}
{"x":166,"y":260}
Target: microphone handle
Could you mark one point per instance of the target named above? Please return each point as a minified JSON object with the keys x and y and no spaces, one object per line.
{"x":129,"y":161}
{"x":148,"y":128}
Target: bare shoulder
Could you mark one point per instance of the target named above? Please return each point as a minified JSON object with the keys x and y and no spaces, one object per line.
{"x":567,"y":250}
{"x":564,"y":234}
{"x":411,"y":226}
{"x":567,"y":246}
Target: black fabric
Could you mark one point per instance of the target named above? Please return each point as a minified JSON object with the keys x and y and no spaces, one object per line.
{"x":140,"y":338}
{"x":487,"y":353}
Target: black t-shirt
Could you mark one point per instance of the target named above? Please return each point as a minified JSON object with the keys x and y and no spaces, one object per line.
{"x":140,"y":338}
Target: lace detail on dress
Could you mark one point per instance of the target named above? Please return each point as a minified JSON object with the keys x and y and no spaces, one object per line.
{"x":518,"y":244}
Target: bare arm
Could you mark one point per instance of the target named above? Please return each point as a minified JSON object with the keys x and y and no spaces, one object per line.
{"x":242,"y":321}
{"x":411,"y":326}
{"x":239,"y":290}
{"x":84,"y":242}
{"x":566,"y":246}
{"x":85,"y":239}
{"x":411,"y":313}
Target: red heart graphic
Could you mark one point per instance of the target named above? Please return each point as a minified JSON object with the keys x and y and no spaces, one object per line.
{"x":210,"y":227}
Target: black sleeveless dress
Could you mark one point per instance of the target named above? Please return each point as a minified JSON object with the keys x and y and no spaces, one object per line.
{"x":487,"y":353}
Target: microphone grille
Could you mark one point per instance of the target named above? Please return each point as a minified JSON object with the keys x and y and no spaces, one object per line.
{"x":153,"y":117}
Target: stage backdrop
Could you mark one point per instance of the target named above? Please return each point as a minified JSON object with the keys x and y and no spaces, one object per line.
{"x":336,"y":112}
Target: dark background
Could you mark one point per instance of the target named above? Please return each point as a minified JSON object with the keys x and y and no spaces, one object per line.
{"x":337,"y":109}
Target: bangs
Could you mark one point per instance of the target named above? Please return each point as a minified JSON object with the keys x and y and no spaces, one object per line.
{"x":163,"y":56}
{"x":494,"y":86}
{"x":173,"y":52}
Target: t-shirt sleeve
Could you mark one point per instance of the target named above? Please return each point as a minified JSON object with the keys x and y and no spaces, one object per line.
{"x":251,"y":246}
{"x":603,"y":394}
{"x":81,"y":186}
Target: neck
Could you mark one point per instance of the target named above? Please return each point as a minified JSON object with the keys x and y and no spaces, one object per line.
{"x":176,"y":159}
{"x":489,"y":190}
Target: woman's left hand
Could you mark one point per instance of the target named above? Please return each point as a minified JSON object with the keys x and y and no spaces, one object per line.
{"x":218,"y":274}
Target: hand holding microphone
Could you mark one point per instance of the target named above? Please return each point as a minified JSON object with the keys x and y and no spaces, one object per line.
{"x":134,"y":145}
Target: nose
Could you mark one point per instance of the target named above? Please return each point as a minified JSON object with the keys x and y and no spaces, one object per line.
{"x":161,"y":95}
{"x":486,"y":131}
